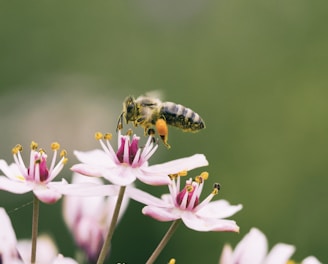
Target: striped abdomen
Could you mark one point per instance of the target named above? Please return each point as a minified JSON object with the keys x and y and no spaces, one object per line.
{"x":182,"y":117}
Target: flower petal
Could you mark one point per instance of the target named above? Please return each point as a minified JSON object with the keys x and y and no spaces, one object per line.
{"x":46,"y":194}
{"x":145,"y":198}
{"x":94,"y":157}
{"x":154,"y":180}
{"x":161,"y":214}
{"x":251,"y":249}
{"x":226,"y":255}
{"x":280,"y":253}
{"x":11,"y":171}
{"x":311,"y":260}
{"x":88,"y":169}
{"x":64,"y":260}
{"x":175,"y":166}
{"x":83,"y":188}
{"x":218,"y":209}
{"x":8,"y":252}
{"x":208,"y":224}
{"x":14,"y":186}
{"x":121,"y":175}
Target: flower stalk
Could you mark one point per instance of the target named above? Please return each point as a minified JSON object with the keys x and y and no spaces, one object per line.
{"x":35,"y":223}
{"x":112,"y":226}
{"x":164,"y":241}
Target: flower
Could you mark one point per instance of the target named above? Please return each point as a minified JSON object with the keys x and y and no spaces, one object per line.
{"x":8,"y":242}
{"x":130,"y":162}
{"x":37,"y":176}
{"x":18,"y":252}
{"x":88,"y":218}
{"x":253,"y":249}
{"x":185,"y":205}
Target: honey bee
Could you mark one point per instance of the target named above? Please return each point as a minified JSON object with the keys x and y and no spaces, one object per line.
{"x":147,"y":111}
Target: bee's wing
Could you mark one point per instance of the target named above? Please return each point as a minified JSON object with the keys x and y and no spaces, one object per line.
{"x":159,"y":94}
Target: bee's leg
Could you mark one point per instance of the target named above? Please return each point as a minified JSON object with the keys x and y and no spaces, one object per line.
{"x":120,"y":122}
{"x":163,"y":131}
{"x":151,"y":132}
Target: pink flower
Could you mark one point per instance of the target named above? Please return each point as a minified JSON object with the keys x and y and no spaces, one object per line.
{"x":36,"y":177}
{"x":186,"y":205}
{"x":88,"y":218}
{"x":8,"y":242}
{"x":130,"y":162}
{"x":253,"y":248}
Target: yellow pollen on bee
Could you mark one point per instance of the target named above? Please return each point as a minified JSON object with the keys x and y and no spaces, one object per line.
{"x":34,"y":145}
{"x":17,"y":148}
{"x":55,"y":146}
{"x":108,"y":136}
{"x":98,"y":135}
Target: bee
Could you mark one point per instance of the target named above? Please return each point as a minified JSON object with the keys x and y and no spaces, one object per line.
{"x":147,"y":111}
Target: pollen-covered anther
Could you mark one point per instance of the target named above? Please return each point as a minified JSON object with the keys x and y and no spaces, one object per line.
{"x":172,"y":261}
{"x":189,"y":188}
{"x":55,"y":146}
{"x":42,"y":151}
{"x":204,"y":175}
{"x":216,"y":188}
{"x":16,"y":149}
{"x":99,"y":135}
{"x":179,"y":174}
{"x":34,"y":145}
{"x":63,"y":153}
{"x":108,"y":136}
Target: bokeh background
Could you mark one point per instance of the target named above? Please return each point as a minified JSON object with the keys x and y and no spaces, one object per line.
{"x":256,"y":71}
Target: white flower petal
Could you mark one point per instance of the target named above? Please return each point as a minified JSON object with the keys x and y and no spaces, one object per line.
{"x":46,"y":194}
{"x":311,"y":260}
{"x":208,"y":224}
{"x":175,"y":166}
{"x":64,"y":260}
{"x":8,"y":252}
{"x":226,"y":255}
{"x":95,"y":157}
{"x":280,"y":254}
{"x":145,"y":198}
{"x":154,"y":180}
{"x":121,"y":175}
{"x":251,"y":249}
{"x":218,"y":209}
{"x":161,"y":214}
{"x":11,"y":171}
{"x":88,"y":169}
{"x":18,"y":187}
{"x":83,"y":189}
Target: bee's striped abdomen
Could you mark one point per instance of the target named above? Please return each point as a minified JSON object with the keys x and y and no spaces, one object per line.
{"x":182,"y":117}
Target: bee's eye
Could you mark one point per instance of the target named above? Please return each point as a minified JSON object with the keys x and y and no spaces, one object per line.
{"x":130,"y":107}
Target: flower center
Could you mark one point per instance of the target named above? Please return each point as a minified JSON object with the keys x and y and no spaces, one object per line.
{"x":185,"y":196}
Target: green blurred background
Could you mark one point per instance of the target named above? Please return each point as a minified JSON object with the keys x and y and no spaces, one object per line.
{"x":256,"y":71}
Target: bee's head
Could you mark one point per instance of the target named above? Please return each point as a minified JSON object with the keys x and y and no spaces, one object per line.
{"x":129,"y":109}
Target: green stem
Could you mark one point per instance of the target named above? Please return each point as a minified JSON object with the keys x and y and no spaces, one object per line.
{"x":112,"y":226}
{"x":164,"y":241}
{"x":35,"y":223}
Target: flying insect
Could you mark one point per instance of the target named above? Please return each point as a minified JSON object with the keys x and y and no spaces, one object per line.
{"x":147,"y":111}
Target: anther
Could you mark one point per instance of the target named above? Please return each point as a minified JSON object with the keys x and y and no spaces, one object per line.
{"x":34,"y":145}
{"x":17,"y":148}
{"x":129,"y":132}
{"x":204,"y":175}
{"x":216,"y":188}
{"x":98,"y":135}
{"x":172,"y":261}
{"x":108,"y":136}
{"x":63,"y":153}
{"x":189,"y":188}
{"x":55,"y":146}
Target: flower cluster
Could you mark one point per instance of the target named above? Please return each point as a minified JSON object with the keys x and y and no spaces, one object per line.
{"x":103,"y":182}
